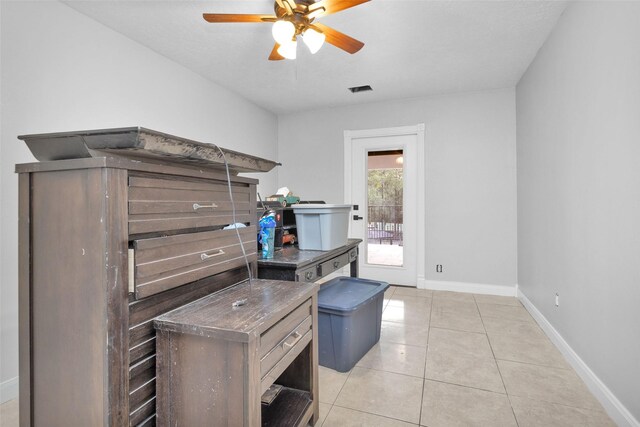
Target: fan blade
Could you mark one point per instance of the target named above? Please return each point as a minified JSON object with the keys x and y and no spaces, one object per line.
{"x":234,"y":17}
{"x":333,"y":6}
{"x":338,"y":39}
{"x":275,"y":56}
{"x":288,"y":5}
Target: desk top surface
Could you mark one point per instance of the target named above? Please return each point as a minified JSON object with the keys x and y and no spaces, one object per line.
{"x":292,"y":257}
{"x":265,"y":302}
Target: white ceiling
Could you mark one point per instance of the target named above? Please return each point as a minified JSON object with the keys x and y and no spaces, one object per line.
{"x":412,"y":47}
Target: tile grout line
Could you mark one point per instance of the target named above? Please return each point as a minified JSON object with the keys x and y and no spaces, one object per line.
{"x":466,"y":386}
{"x":343,"y":384}
{"x":376,"y":415}
{"x":532,"y":364}
{"x":426,"y":355}
{"x":497,"y":366}
{"x":460,"y":330}
{"x":388,"y":372}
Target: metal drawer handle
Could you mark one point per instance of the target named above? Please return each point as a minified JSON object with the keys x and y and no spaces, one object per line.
{"x":296,"y":337}
{"x":308,"y":275}
{"x":205,"y":256}
{"x":336,"y":264}
{"x":197,"y":206}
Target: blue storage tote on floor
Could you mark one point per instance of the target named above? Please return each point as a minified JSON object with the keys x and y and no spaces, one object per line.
{"x":349,"y":318}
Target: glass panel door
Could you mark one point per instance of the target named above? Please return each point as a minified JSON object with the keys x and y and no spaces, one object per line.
{"x":385,"y":185}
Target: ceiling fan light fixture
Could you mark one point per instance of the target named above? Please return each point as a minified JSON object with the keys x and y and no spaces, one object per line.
{"x":288,"y":49}
{"x":283,"y":31}
{"x":313,"y":39}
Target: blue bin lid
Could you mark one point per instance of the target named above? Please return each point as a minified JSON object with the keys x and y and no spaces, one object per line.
{"x":344,"y":294}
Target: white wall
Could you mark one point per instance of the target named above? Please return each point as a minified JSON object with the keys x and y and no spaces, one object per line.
{"x":578,"y":115}
{"x":62,"y":71}
{"x":470,"y":173}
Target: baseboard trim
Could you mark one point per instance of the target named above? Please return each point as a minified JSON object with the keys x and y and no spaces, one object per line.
{"x":475,"y":288}
{"x":616,"y":410}
{"x":9,"y":390}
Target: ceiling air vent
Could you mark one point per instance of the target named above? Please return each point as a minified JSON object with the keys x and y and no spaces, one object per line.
{"x":358,"y":89}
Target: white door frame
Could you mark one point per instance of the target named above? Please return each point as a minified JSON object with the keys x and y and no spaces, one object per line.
{"x":419,"y":131}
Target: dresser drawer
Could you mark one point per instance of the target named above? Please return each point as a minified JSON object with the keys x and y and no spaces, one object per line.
{"x":163,"y":263}
{"x":307,"y":275}
{"x":335,"y":264}
{"x":278,"y":332}
{"x":158,"y":204}
{"x":284,"y":337}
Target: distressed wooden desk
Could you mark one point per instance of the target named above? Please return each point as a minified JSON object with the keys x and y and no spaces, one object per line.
{"x":216,"y":358}
{"x":293,"y":264}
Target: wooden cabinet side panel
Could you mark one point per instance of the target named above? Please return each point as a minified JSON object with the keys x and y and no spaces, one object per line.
{"x":163,"y":375}
{"x":68,"y":299}
{"x":24,"y":296}
{"x":315,"y":380}
{"x":253,"y":384}
{"x":200,"y":381}
{"x":115,"y":281}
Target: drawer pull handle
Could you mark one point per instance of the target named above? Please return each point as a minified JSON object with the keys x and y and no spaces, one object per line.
{"x":296,"y":337}
{"x":197,"y":206}
{"x":205,"y":256}
{"x":308,"y":275}
{"x":336,"y":264}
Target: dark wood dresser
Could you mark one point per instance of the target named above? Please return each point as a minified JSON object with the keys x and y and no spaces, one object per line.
{"x":291,"y":263}
{"x":106,"y":245}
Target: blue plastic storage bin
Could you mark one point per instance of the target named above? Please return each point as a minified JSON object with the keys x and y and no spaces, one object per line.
{"x":349,"y":317}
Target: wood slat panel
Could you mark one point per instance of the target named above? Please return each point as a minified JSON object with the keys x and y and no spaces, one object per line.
{"x":153,"y":207}
{"x":139,"y":367}
{"x":167,"y":262}
{"x":141,"y":311}
{"x":142,"y":412}
{"x":141,"y":332}
{"x":144,"y":349}
{"x":157,"y":204}
{"x":172,"y":269}
{"x":183,"y":183}
{"x":158,"y":249}
{"x":154,"y":223}
{"x":149,"y":422}
{"x":214,"y":195}
{"x":143,"y":388}
{"x":189,"y":275}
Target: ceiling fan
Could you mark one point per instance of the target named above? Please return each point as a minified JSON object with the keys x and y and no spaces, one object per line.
{"x":296,"y":18}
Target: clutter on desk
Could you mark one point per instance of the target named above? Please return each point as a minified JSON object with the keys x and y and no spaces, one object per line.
{"x":267,"y":234}
{"x":284,"y":196}
{"x":286,"y":232}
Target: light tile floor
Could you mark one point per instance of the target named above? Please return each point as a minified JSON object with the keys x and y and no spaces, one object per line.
{"x":451,"y":359}
{"x":457,"y":359}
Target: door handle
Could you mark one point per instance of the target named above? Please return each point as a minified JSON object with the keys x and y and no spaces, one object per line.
{"x":356,"y":217}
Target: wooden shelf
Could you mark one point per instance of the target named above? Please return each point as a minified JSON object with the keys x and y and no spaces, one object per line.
{"x":288,"y":409}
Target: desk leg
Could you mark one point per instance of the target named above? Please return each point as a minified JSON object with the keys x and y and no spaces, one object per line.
{"x":354,"y":267}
